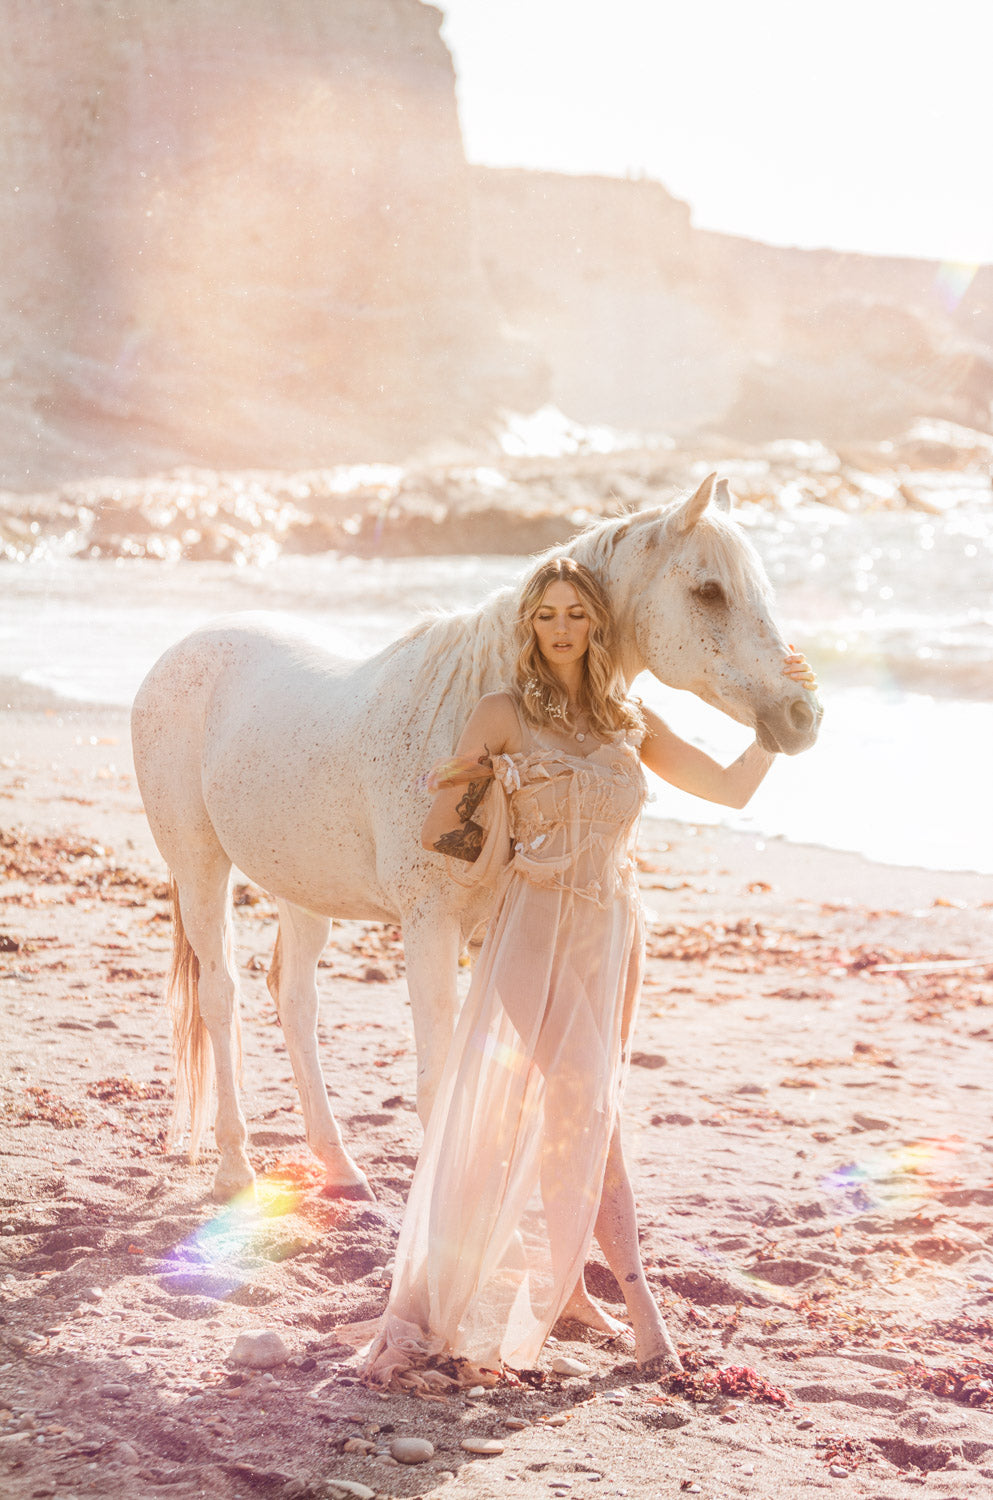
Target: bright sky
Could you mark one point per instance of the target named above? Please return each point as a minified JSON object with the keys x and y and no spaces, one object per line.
{"x":861,"y":125}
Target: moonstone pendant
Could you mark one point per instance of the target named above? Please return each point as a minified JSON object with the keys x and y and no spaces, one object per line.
{"x":580,"y":738}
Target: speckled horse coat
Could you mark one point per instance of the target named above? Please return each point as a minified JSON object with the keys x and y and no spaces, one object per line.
{"x":259,"y":750}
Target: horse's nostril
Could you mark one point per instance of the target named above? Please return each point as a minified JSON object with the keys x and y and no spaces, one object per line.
{"x":801,"y":714}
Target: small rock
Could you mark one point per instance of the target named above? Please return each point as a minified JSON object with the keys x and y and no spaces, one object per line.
{"x":672,"y":1419}
{"x":515,"y":1424}
{"x":489,"y":1447}
{"x":259,"y":1349}
{"x":358,"y":1445}
{"x":556,"y":1421}
{"x":748,"y":1468}
{"x":127,"y":1453}
{"x":138,"y":1338}
{"x":92,"y":1294}
{"x":375,"y":975}
{"x":563,"y":1365}
{"x":804,"y":1424}
{"x":475,"y":1391}
{"x":872,"y":1122}
{"x":837,"y":1472}
{"x":348,"y":1489}
{"x":411,"y":1450}
{"x":115,"y":1390}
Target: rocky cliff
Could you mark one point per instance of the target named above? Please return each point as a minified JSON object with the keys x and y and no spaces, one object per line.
{"x":236,"y":232}
{"x":646,"y":322}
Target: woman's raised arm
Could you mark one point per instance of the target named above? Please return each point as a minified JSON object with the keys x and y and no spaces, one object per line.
{"x":692,"y":770}
{"x":459,"y":783}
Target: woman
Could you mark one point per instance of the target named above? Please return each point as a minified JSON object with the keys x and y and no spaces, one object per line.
{"x":522,"y":1160}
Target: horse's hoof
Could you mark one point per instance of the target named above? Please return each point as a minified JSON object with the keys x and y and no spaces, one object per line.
{"x":358,"y":1192}
{"x":234,"y":1183}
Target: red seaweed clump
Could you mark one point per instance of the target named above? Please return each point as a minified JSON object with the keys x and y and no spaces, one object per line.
{"x":699,"y":1382}
{"x":971,"y":1383}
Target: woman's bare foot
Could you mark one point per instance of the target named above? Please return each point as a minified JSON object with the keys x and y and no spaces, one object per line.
{"x":655,"y":1352}
{"x":581,"y":1308}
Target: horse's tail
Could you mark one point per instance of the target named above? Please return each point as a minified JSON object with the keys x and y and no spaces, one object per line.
{"x":191,"y":1050}
{"x":275,"y":969}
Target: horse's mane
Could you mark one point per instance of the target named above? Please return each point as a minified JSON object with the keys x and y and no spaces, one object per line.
{"x":460,"y":649}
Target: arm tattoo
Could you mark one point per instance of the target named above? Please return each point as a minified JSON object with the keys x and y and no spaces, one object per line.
{"x":471,"y":799}
{"x":467,"y":842}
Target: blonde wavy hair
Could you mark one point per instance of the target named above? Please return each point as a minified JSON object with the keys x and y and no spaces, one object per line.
{"x":602,"y":695}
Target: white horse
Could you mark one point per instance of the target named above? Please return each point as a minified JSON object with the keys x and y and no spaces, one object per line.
{"x":260,"y":750}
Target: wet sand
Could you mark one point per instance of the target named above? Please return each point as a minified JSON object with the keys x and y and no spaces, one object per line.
{"x":808,"y":1126}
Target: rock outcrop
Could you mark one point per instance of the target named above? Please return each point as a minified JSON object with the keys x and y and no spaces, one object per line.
{"x":646,"y":322}
{"x":237,"y":233}
{"x":240,"y":235}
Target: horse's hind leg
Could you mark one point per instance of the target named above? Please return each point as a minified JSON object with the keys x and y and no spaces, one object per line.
{"x":293,"y":985}
{"x":204,"y":911}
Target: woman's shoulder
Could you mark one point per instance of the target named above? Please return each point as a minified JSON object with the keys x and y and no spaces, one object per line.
{"x":496,"y":719}
{"x":497,"y":706}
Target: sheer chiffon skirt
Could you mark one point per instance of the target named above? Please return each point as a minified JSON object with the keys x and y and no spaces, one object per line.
{"x":505,"y":1196}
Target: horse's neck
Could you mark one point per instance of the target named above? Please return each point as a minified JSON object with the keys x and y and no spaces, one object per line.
{"x":443,"y":686}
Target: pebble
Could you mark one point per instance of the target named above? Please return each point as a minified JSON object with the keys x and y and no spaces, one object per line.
{"x":115,"y":1390}
{"x":672,"y":1419}
{"x":475,"y":1391}
{"x":748,"y":1468}
{"x":259,"y":1349}
{"x":488,"y":1446}
{"x":804,"y":1425}
{"x":411,"y":1450}
{"x":92,"y":1294}
{"x":127,"y":1454}
{"x":348,"y":1489}
{"x":516,"y":1424}
{"x":358,"y":1445}
{"x":837,"y":1472}
{"x":563,"y":1365}
{"x":556,"y":1421}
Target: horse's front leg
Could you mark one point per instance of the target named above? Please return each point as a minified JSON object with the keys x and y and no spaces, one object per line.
{"x":293,"y":986}
{"x":431,"y":945}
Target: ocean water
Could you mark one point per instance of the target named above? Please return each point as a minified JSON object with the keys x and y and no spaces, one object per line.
{"x":894,"y":609}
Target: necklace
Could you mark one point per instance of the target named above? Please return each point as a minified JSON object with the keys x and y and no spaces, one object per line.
{"x":580,"y":734}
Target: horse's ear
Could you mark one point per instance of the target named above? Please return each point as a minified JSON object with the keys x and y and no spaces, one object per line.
{"x":722,"y":496}
{"x":692,"y":509}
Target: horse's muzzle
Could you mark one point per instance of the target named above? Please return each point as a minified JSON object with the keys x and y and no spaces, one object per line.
{"x":791,"y":726}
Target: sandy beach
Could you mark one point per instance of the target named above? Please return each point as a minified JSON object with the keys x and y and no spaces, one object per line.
{"x":808,"y":1125}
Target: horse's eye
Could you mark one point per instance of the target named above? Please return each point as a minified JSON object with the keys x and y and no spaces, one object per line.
{"x":710,"y":592}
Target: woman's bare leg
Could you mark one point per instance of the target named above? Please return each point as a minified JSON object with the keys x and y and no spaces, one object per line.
{"x":617,"y":1234}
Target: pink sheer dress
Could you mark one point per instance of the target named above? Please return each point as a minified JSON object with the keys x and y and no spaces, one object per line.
{"x":505,"y":1196}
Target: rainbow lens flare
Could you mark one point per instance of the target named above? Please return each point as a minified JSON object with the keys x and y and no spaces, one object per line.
{"x":907,"y":1171}
{"x":952,"y":280}
{"x":223,"y":1246}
